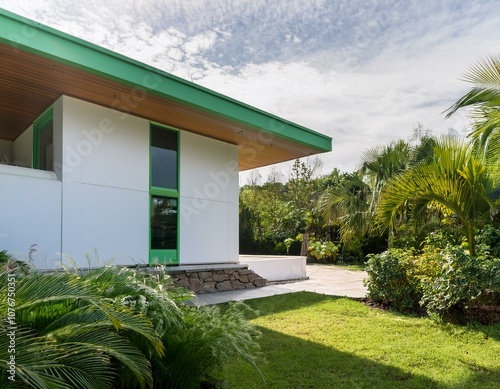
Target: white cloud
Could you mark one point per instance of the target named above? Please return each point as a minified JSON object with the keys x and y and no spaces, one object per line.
{"x":363,"y":73}
{"x":200,"y":43}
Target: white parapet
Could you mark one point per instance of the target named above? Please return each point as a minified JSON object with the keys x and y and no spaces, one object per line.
{"x":276,"y":268}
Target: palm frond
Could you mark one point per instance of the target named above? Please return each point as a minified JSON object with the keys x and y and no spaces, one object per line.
{"x":485,"y":75}
{"x":455,"y":180}
{"x":485,"y":72}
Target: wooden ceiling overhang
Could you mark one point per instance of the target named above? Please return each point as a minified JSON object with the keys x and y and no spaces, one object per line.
{"x":39,"y":64}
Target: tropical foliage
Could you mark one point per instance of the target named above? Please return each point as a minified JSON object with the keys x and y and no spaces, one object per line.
{"x":112,"y":328}
{"x":406,"y":182}
{"x":443,"y":279}
{"x":454,"y":183}
{"x":484,"y":99}
{"x":403,"y":195}
{"x":425,"y":211}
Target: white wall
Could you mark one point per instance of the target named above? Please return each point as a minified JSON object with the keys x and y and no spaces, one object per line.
{"x":105,"y":157}
{"x":22,"y":148}
{"x":209,"y":200}
{"x":102,"y":161}
{"x":31,"y":214}
{"x":5,"y":151}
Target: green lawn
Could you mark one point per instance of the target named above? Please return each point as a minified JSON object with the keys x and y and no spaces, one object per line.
{"x":351,"y":266}
{"x":317,"y":341}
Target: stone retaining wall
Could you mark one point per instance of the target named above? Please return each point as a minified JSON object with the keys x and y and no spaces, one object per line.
{"x":211,"y":281}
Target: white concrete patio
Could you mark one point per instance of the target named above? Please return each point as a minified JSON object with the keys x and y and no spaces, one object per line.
{"x":324,"y":279}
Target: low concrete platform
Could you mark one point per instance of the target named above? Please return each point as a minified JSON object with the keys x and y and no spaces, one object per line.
{"x":325,"y":279}
{"x":277,"y":267}
{"x":204,"y":267}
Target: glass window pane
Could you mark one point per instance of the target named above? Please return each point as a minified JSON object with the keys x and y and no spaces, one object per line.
{"x":46,"y":147}
{"x":164,"y":158}
{"x":163,"y":223}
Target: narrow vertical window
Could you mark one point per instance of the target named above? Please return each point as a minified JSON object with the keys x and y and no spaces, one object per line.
{"x":43,"y":142}
{"x":164,"y":195}
{"x":164,"y":145}
{"x":163,"y":223}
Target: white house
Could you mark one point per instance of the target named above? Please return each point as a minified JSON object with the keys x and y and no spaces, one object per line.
{"x":101,"y":153}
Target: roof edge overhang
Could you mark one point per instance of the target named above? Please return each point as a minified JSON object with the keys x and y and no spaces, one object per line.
{"x":26,"y":35}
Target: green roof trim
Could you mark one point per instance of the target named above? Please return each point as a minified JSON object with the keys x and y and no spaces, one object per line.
{"x":26,"y":35}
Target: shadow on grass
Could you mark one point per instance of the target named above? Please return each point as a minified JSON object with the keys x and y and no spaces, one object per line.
{"x":481,"y":377}
{"x":297,"y":363}
{"x":293,"y":362}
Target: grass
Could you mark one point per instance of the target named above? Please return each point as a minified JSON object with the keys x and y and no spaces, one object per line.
{"x":350,"y":266}
{"x":359,"y":266}
{"x":316,"y":341}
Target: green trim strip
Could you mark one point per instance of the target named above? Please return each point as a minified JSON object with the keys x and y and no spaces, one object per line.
{"x":27,"y":35}
{"x":163,"y":257}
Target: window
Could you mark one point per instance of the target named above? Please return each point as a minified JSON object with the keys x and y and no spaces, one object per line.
{"x":163,"y":223}
{"x":164,"y":145}
{"x":164,"y":194}
{"x":43,"y":142}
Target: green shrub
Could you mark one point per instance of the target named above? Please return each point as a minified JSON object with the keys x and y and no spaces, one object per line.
{"x":460,"y":280}
{"x":208,"y":340}
{"x":71,"y":334}
{"x":392,"y":280}
{"x":492,"y":269}
{"x":488,"y":241}
{"x":324,"y":251}
{"x":448,"y":283}
{"x":114,"y":327}
{"x":436,"y":233}
{"x":12,"y":265}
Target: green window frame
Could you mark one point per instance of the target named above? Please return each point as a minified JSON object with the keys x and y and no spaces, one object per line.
{"x":165,"y":195}
{"x":43,"y":141}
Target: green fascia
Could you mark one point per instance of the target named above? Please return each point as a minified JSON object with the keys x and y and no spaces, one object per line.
{"x":27,"y":35}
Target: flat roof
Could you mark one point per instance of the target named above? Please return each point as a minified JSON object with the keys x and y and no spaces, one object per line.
{"x":39,"y":64}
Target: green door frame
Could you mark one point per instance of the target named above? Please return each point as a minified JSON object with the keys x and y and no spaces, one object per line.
{"x":40,"y":126}
{"x":159,"y":256}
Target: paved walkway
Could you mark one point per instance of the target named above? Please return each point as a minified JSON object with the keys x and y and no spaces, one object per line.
{"x":324,"y":279}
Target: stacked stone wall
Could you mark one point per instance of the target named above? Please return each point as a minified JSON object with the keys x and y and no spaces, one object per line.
{"x":212,"y":281}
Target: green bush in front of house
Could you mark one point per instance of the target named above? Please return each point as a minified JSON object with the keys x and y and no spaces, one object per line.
{"x":208,"y":340}
{"x":112,"y":328}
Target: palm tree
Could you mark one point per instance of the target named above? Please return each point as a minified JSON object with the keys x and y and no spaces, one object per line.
{"x":113,"y":328}
{"x":78,"y":330}
{"x":348,"y":205}
{"x":484,"y":98}
{"x":380,"y":164}
{"x":455,"y":182}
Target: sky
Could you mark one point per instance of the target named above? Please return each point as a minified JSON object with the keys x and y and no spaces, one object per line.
{"x":363,"y":72}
